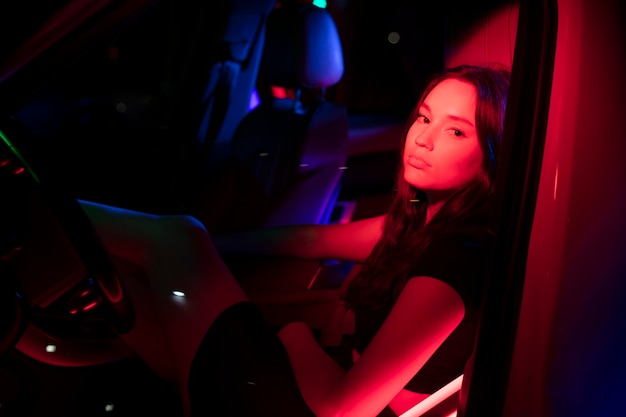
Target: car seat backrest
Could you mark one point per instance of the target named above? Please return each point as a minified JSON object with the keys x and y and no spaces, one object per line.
{"x":233,"y":74}
{"x":287,"y":154}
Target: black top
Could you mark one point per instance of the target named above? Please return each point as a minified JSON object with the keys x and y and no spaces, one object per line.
{"x":456,"y":256}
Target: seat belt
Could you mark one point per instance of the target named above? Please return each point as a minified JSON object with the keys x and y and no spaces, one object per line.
{"x":242,"y":45}
{"x":216,"y":101}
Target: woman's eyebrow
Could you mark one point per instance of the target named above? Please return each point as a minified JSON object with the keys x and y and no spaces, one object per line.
{"x":460,"y":119}
{"x":449,"y":116}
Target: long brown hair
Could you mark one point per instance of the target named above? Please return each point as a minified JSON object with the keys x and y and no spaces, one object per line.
{"x":406,"y":234}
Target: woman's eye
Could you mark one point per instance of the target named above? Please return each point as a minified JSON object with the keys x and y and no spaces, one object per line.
{"x":423,"y":119}
{"x":458,"y":133}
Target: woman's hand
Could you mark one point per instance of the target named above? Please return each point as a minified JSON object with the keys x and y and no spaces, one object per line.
{"x":425,"y":314}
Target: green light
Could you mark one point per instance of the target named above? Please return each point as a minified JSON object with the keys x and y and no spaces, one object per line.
{"x":320,"y":3}
{"x":19,"y":156}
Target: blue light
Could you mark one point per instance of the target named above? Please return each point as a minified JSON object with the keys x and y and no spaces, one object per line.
{"x":255,"y":100}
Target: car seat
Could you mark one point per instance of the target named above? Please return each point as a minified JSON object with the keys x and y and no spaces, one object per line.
{"x":218,"y":81}
{"x":284,"y":162}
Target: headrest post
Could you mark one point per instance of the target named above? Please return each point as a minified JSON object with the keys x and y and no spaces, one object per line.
{"x":322,"y":93}
{"x":296,"y":98}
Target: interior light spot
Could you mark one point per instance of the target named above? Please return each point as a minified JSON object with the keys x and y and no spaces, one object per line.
{"x":264,"y":154}
{"x":178,"y":293}
{"x":393,"y":37}
{"x":109,"y":407}
{"x":304,"y":165}
{"x":280,"y":92}
{"x":343,"y":167}
{"x":255,"y":100}
{"x":556,"y":182}
{"x":51,"y":348}
{"x":90,"y":306}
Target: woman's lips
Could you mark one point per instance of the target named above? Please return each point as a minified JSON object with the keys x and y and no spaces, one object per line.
{"x":417,"y":162}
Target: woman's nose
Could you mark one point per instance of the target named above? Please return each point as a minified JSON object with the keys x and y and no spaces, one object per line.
{"x":424,"y":140}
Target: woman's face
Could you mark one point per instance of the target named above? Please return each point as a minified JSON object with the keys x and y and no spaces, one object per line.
{"x":442,"y":153}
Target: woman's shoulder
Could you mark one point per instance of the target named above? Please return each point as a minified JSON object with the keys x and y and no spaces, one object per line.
{"x":457,"y":254}
{"x":472,"y":229}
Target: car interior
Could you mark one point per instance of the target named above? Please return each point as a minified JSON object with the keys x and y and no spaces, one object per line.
{"x":244,"y":114}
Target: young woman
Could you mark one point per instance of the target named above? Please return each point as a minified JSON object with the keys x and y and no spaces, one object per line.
{"x":415,"y":301}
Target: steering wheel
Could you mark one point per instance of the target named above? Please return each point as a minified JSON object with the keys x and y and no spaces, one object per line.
{"x":52,"y":265}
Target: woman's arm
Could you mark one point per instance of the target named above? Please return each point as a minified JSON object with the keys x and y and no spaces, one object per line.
{"x":426,"y":312}
{"x":347,"y":241}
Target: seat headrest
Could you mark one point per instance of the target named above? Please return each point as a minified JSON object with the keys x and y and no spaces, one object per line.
{"x":302,"y":48}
